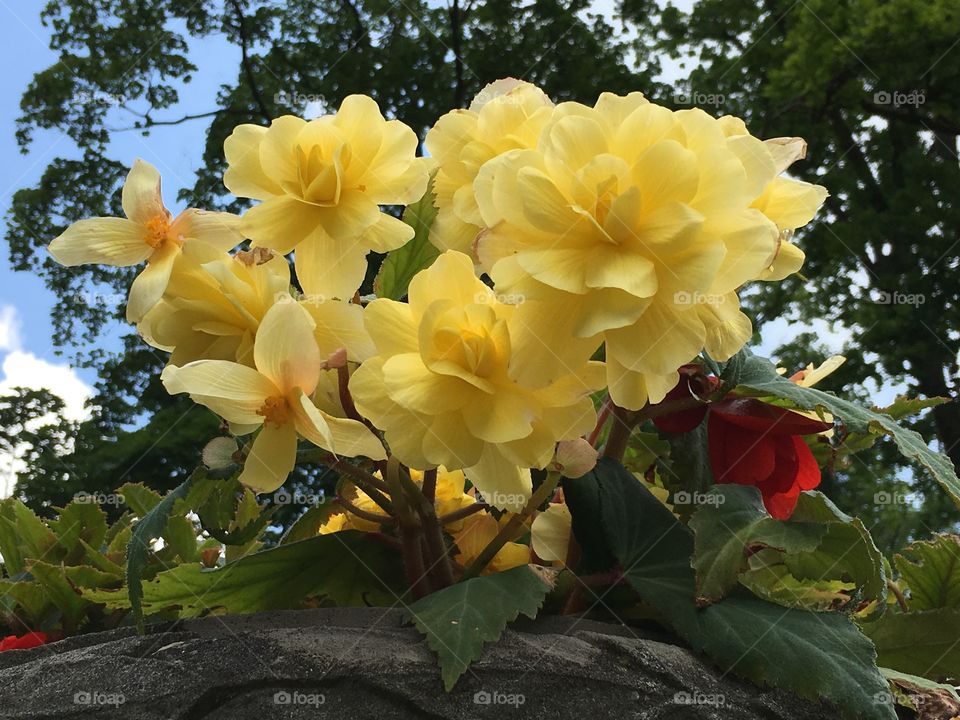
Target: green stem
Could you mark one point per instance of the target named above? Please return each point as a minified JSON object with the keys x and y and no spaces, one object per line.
{"x":620,"y":430}
{"x":410,"y":531}
{"x":509,"y":531}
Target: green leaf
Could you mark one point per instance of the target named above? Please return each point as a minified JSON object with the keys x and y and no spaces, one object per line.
{"x":308,"y":524}
{"x":36,"y":540}
{"x":582,"y":496}
{"x":931,"y":570}
{"x":760,"y":376}
{"x":59,"y":590}
{"x":28,"y":595}
{"x":689,"y":466}
{"x":9,"y":546}
{"x":78,"y":521}
{"x":402,"y":264}
{"x":846,"y":552}
{"x":459,"y":619}
{"x":817,"y":655}
{"x":731,"y":521}
{"x":150,"y":527}
{"x":348,"y":569}
{"x":922,"y":643}
{"x":771,"y":580}
{"x":181,"y":535}
{"x":905,"y":406}
{"x":139,"y":498}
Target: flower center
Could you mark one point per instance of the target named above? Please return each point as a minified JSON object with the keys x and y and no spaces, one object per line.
{"x":275,"y":410}
{"x":158,"y":229}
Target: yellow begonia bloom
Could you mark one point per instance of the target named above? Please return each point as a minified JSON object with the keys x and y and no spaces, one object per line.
{"x":787,"y":202}
{"x":505,"y":115}
{"x":634,"y":226}
{"x":449,"y":498}
{"x":322,"y":183}
{"x":274,"y":394}
{"x":550,"y":533}
{"x":442,"y":385}
{"x":478,"y":531}
{"x":147,"y":234}
{"x":212,"y":311}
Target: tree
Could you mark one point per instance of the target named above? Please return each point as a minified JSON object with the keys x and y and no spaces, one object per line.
{"x":121,"y":67}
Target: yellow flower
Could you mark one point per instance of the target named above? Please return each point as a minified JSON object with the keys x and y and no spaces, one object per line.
{"x":789,"y":203}
{"x":442,"y":385}
{"x":146,"y":234}
{"x":478,"y":531}
{"x":322,"y":183}
{"x":212,"y":311}
{"x":449,"y":498}
{"x":505,"y":115}
{"x":274,"y":395}
{"x":550,"y":533}
{"x":629,"y":225}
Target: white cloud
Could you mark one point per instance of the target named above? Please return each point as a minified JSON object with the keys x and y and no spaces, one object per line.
{"x":21,"y":368}
{"x":9,"y":328}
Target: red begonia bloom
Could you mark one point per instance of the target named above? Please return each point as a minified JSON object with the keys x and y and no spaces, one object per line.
{"x":25,"y":642}
{"x":753,"y":443}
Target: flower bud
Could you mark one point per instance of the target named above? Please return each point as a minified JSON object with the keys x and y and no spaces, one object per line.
{"x":575,"y":458}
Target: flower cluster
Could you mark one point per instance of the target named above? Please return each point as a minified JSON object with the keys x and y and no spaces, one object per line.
{"x":564,"y":230}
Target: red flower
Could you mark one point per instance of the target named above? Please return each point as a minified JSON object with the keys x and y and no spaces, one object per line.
{"x":753,"y":443}
{"x":30,"y":640}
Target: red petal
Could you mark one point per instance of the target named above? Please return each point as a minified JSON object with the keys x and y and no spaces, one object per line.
{"x":808,"y":474}
{"x":738,"y":455}
{"x":756,"y":415}
{"x":782,"y":505}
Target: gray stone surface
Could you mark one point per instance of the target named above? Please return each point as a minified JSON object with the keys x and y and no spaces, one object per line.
{"x":357,"y":664}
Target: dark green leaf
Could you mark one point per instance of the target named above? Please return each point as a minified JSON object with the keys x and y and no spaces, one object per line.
{"x":458,"y":620}
{"x":402,"y":264}
{"x":925,"y":643}
{"x":931,"y":571}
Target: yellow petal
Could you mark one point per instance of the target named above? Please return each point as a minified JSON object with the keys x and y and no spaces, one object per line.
{"x":141,"y":196}
{"x":271,"y":458}
{"x":278,"y":150}
{"x":502,"y":484}
{"x":281,"y":223}
{"x":387,"y":234}
{"x":331,"y":267}
{"x":148,"y":287}
{"x":234,"y":392}
{"x":285,"y":350}
{"x":788,"y":260}
{"x":102,"y":241}
{"x":391,"y":326}
{"x":550,"y":533}
{"x":342,"y":436}
{"x":412,"y":385}
{"x":340,"y":325}
{"x":206,"y":235}
{"x":790,"y":203}
{"x":244,"y":176}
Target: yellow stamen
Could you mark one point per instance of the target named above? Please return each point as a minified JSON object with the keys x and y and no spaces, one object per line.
{"x":275,"y":410}
{"x":157,"y":230}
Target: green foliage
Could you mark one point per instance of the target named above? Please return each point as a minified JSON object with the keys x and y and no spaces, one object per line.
{"x":931,"y":570}
{"x":345,"y":569}
{"x":731,"y":522}
{"x":922,"y":643}
{"x":402,"y":264}
{"x":760,"y":377}
{"x":813,"y":654}
{"x":458,"y":620}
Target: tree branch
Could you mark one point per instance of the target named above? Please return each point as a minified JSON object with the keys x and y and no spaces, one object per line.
{"x":245,"y":61}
